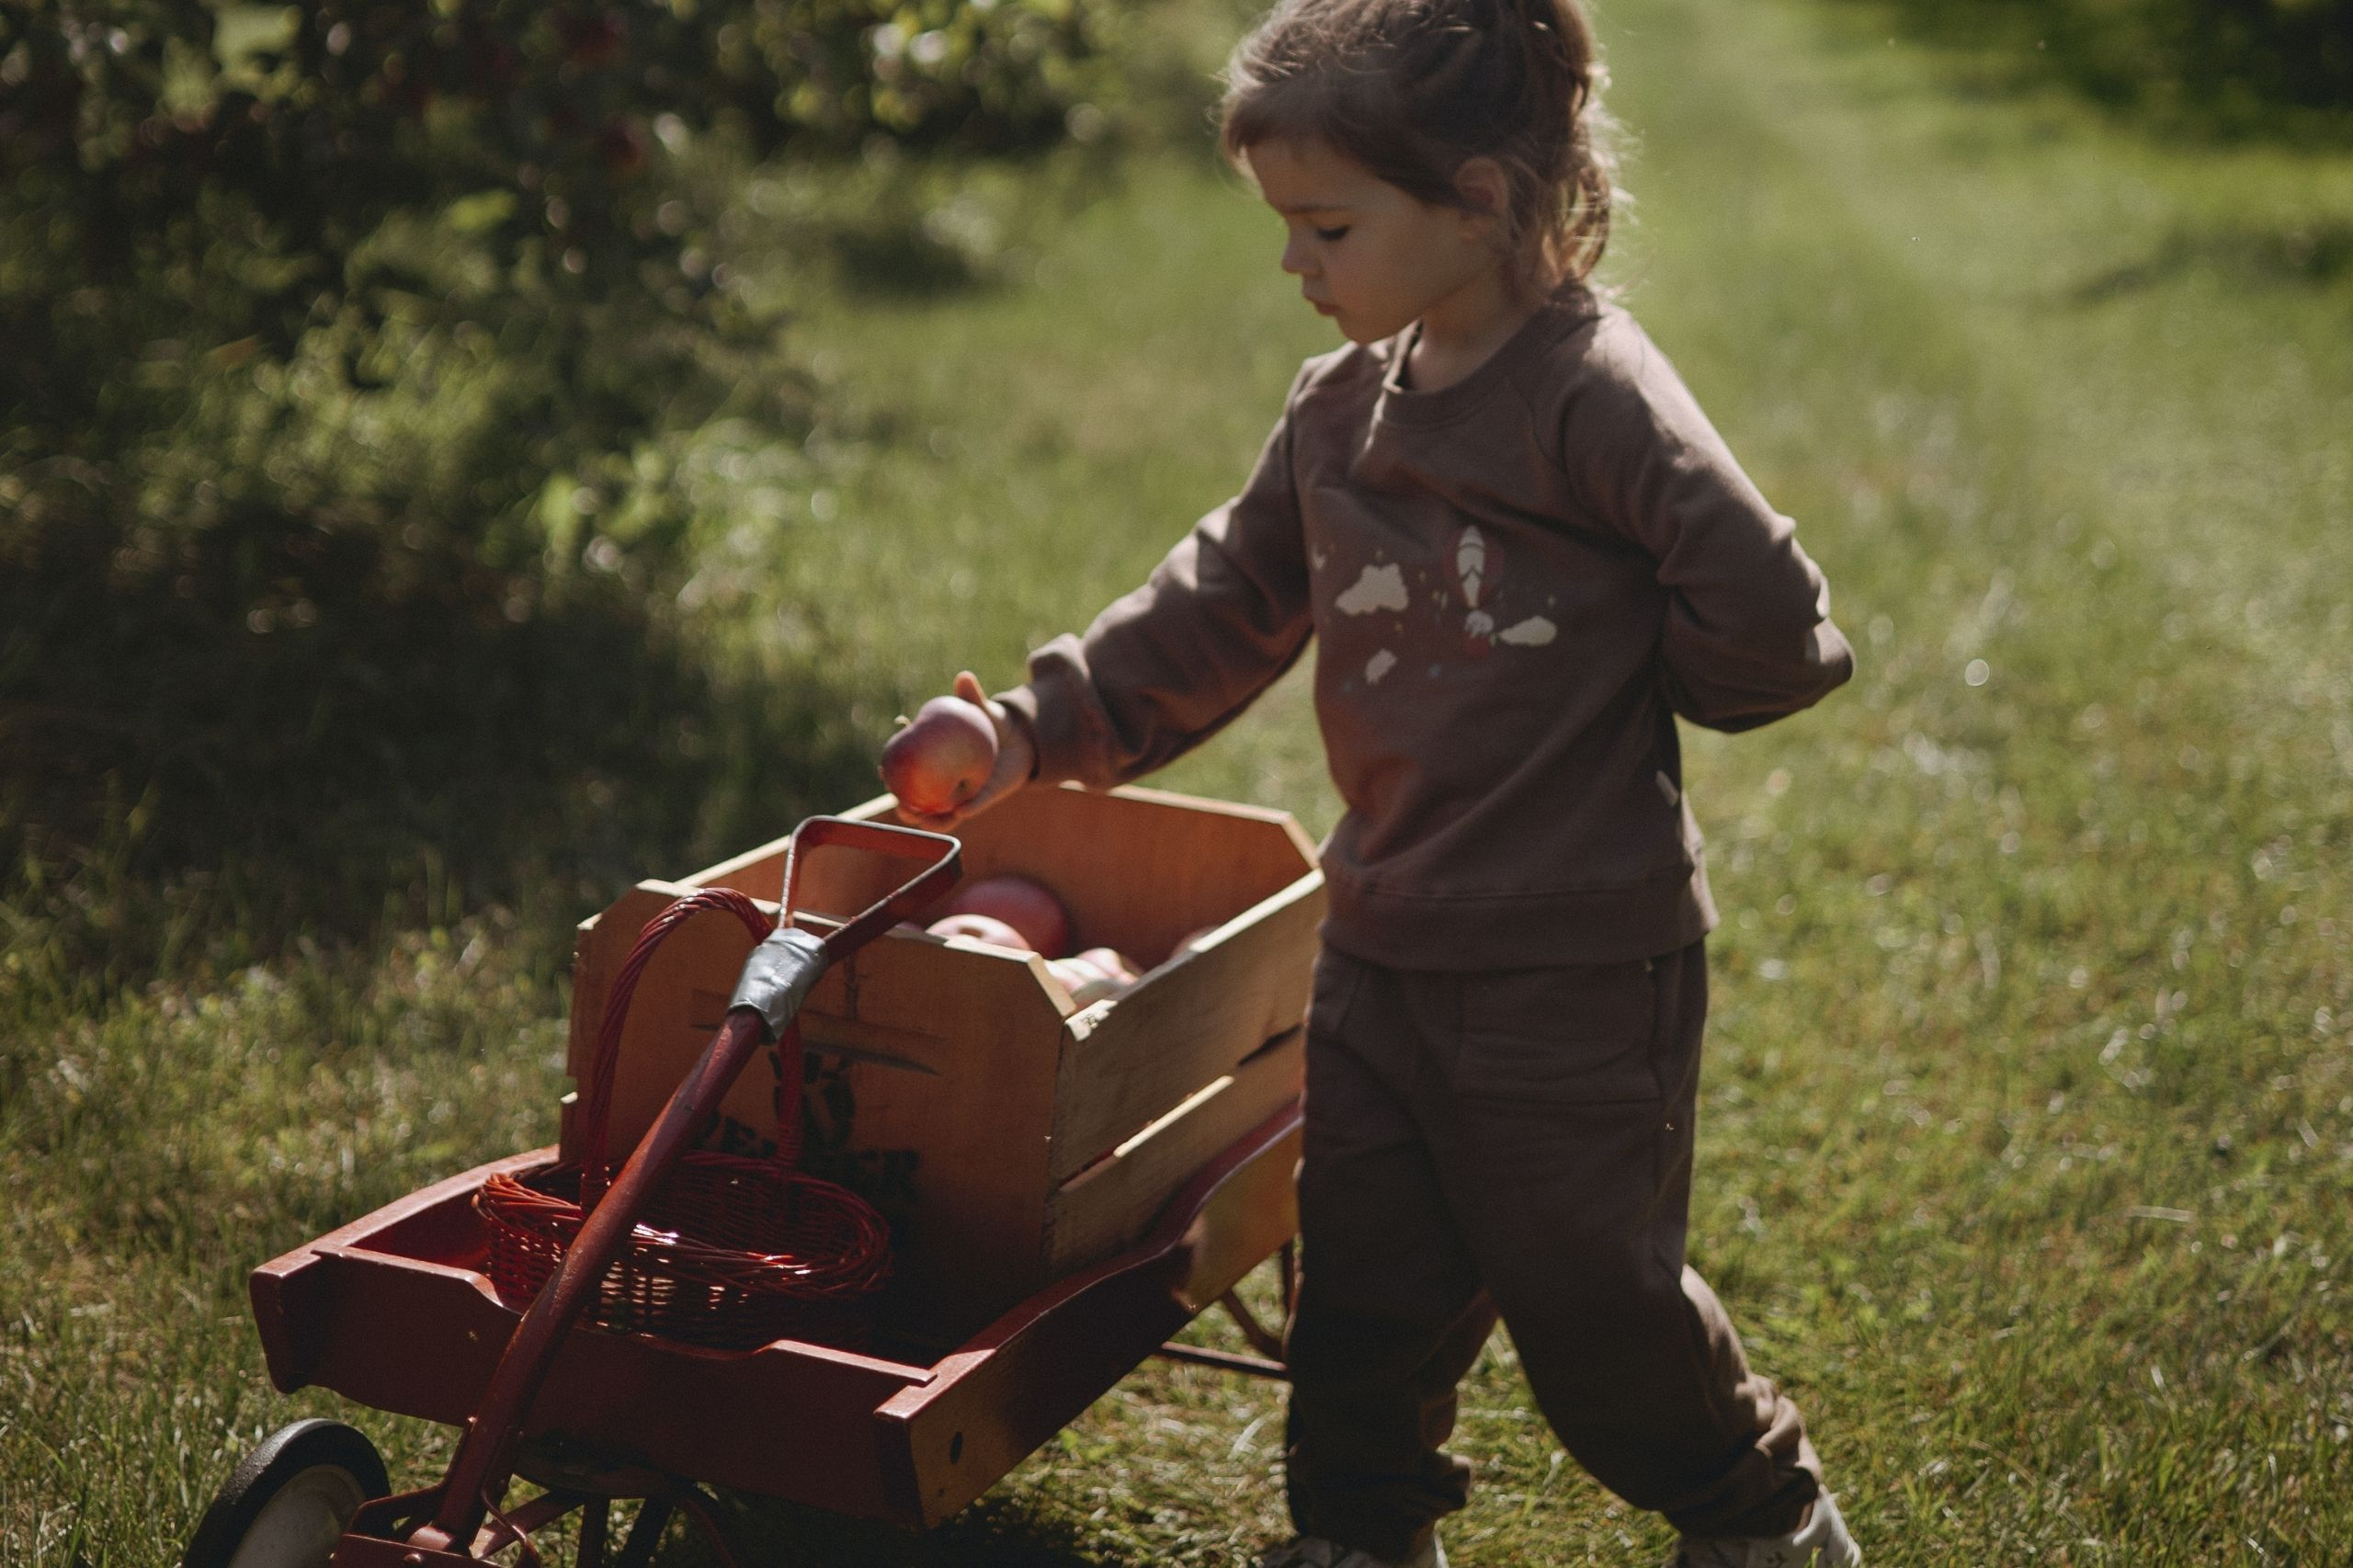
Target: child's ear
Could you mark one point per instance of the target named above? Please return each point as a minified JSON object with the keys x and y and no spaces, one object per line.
{"x":1485,"y":190}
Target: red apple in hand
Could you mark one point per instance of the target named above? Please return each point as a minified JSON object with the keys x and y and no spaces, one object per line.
{"x":942,"y":758}
{"x":1027,"y":906}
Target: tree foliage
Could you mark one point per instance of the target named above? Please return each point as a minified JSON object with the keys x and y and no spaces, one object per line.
{"x":183,"y":178}
{"x":2236,"y":66}
{"x":328,"y":333}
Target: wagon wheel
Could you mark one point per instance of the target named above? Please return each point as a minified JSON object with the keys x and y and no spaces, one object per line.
{"x":291,"y":1500}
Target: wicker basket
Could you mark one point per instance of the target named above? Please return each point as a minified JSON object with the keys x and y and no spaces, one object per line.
{"x":733,"y":1251}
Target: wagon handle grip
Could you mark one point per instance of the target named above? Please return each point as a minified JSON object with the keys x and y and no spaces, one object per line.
{"x":943,"y":852}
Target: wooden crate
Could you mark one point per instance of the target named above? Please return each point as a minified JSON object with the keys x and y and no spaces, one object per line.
{"x":1011,"y":1136}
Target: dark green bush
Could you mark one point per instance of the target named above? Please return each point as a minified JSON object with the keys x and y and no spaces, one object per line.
{"x":339,"y":344}
{"x":2231,"y":65}
{"x":187,"y":186}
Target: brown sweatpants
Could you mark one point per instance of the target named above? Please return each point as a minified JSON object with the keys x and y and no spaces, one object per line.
{"x":1517,"y":1142}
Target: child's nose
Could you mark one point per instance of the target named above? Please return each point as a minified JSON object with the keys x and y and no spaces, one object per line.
{"x":1297,"y":259}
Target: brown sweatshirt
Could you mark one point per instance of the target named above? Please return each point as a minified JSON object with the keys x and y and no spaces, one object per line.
{"x":1515,"y":582}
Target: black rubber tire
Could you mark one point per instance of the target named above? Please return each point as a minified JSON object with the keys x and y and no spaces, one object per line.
{"x":349,"y":1469}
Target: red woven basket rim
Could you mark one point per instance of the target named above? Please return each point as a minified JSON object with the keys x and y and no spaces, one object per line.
{"x":529,"y":1209}
{"x":518,"y":1203}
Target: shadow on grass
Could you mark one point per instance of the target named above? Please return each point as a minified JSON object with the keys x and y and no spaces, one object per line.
{"x":271,"y":726}
{"x":992,"y":1533}
{"x":2310,"y":255}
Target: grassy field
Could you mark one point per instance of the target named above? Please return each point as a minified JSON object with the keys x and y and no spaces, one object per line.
{"x":2028,"y":1140}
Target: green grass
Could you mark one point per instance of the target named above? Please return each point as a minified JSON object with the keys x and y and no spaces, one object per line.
{"x":2028,"y":1135}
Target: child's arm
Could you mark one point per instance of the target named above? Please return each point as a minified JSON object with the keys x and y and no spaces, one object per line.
{"x":1170,"y":664}
{"x":1749,"y":637}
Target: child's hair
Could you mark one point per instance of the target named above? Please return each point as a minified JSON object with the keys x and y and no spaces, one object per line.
{"x":1413,"y":89}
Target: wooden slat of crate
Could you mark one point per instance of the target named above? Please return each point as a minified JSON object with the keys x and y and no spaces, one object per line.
{"x":1115,"y":1200}
{"x":1190,"y":1022}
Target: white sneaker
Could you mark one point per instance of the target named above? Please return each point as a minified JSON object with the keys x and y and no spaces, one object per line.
{"x":1821,"y":1542}
{"x":1315,"y":1551}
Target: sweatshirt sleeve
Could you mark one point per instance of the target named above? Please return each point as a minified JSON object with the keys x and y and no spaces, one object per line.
{"x":1749,"y":637}
{"x":1167,"y":665}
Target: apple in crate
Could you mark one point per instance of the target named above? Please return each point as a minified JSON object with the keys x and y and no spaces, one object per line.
{"x":943,"y":756}
{"x":980,"y":928}
{"x":1028,"y":906}
{"x":1094,"y":974}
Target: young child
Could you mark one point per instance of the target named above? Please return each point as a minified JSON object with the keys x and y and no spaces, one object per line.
{"x":1521,"y":550}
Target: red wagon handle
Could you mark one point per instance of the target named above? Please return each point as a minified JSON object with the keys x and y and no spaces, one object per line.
{"x":781,"y":971}
{"x":776,"y":978}
{"x":876,"y":838}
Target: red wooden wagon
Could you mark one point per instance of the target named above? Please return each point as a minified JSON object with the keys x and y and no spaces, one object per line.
{"x":1073,"y":1186}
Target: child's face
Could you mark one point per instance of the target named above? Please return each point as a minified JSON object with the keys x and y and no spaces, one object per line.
{"x":1366,"y":254}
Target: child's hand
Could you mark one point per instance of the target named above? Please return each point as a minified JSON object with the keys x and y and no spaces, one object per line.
{"x":1016,"y":760}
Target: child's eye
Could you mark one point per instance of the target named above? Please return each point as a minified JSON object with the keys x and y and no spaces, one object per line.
{"x":1328,"y":235}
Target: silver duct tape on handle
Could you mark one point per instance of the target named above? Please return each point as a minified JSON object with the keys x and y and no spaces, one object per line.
{"x":778,"y":976}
